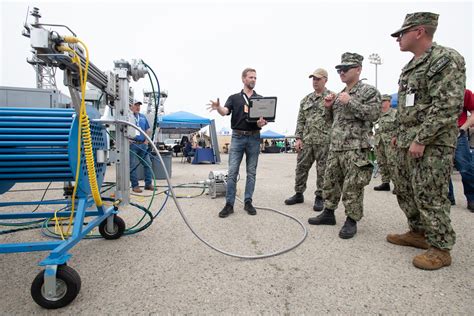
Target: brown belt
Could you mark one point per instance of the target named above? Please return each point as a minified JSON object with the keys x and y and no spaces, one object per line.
{"x":246,"y":133}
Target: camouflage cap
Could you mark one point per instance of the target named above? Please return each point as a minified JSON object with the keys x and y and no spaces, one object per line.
{"x":386,"y":97}
{"x":417,"y":18}
{"x":350,"y":59}
{"x":319,"y":73}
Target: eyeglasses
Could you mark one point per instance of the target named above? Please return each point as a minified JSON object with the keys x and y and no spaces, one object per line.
{"x":345,"y":69}
{"x":404,"y":32}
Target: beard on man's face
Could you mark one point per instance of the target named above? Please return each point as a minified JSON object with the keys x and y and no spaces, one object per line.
{"x":250,"y":85}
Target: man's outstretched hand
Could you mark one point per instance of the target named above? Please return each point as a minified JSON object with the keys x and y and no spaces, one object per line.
{"x":213,"y":105}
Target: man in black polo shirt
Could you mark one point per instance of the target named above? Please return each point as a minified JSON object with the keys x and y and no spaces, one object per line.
{"x":245,"y":139}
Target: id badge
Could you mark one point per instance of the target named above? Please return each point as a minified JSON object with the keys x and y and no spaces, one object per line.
{"x":410,"y":100}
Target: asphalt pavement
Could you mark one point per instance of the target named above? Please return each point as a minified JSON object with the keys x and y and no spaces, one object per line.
{"x":167,"y":270}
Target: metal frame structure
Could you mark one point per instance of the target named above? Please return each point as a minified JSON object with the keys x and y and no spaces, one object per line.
{"x":45,"y":75}
{"x":40,"y":145}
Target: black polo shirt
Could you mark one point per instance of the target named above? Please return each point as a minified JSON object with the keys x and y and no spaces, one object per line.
{"x":235,"y":103}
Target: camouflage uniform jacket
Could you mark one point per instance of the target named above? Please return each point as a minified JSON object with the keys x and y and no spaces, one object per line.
{"x":438,"y":79}
{"x":314,"y":120}
{"x":385,"y":127}
{"x":353,"y":122}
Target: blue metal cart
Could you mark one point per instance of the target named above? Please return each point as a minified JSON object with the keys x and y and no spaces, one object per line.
{"x":40,"y":145}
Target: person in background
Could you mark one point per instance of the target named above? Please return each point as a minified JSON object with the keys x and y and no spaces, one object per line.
{"x":430,"y":97}
{"x":139,"y":151}
{"x":384,"y":152}
{"x":184,"y":140}
{"x":188,"y":151}
{"x":245,"y":140}
{"x":201,"y":142}
{"x":463,"y":161}
{"x":313,"y":130}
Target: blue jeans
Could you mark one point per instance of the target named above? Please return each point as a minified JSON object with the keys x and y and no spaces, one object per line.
{"x":141,"y":150}
{"x":240,"y":144}
{"x":465,"y":165}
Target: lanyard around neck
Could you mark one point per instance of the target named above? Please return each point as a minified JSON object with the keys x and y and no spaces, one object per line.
{"x":245,"y":98}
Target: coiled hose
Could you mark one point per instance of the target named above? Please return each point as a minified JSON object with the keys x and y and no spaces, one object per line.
{"x":87,"y":141}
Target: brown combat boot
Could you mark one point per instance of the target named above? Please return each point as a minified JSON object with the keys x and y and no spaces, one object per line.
{"x":433,"y":259}
{"x":411,"y":238}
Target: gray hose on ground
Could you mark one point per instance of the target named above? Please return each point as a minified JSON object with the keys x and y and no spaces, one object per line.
{"x":170,"y":186}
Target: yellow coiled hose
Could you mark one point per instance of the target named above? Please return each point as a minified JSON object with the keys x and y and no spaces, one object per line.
{"x":84,"y":133}
{"x":85,"y":123}
{"x":87,"y":141}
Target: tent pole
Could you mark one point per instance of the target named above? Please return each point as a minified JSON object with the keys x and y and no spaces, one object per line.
{"x":214,"y":142}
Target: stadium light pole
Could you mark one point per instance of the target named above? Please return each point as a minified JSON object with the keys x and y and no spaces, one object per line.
{"x":376,"y":60}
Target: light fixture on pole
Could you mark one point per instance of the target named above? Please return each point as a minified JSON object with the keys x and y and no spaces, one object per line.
{"x":376,"y":60}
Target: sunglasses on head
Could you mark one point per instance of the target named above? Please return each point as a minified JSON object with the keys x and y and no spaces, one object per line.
{"x":345,"y":69}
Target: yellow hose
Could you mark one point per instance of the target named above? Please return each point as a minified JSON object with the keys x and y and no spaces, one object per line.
{"x":84,"y":131}
{"x":87,"y":141}
{"x":76,"y":60}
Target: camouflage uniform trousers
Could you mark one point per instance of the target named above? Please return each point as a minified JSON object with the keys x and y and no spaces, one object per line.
{"x":422,"y":193}
{"x":347,"y":173}
{"x":305,"y":160}
{"x":385,"y":155}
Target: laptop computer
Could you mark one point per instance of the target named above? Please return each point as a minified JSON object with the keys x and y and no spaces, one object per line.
{"x":262,"y":107}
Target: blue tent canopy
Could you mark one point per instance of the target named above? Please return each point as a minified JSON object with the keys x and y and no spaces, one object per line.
{"x":271,"y":134}
{"x":183,"y":121}
{"x":394,"y":102}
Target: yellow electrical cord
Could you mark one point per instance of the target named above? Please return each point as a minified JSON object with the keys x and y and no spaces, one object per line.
{"x":86,"y":137}
{"x":84,"y":131}
{"x":76,"y":60}
{"x":57,"y":226}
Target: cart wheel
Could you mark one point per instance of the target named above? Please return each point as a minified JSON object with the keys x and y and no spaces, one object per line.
{"x":68,"y":285}
{"x":119,"y":228}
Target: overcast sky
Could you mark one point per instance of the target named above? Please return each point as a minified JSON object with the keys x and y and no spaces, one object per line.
{"x":199,"y":48}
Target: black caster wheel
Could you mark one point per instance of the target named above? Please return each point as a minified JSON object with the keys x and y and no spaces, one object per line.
{"x":119,"y":228}
{"x":68,"y":285}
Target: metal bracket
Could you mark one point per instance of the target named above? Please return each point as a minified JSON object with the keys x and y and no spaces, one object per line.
{"x":110,"y":223}
{"x":50,"y":281}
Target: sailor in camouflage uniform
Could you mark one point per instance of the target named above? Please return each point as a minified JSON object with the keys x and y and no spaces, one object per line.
{"x":312,"y":139}
{"x":384,"y":151}
{"x":430,"y":98}
{"x":348,"y":169}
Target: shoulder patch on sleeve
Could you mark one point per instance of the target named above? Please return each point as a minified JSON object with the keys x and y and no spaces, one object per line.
{"x":370,"y":93}
{"x":438,"y":65}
